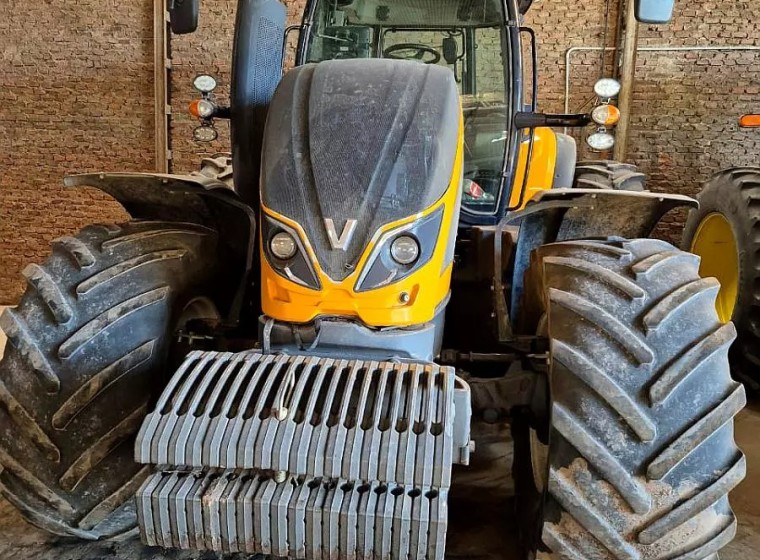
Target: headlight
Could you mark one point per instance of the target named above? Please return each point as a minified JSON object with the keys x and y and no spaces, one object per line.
{"x":205,"y":134}
{"x":401,"y":252}
{"x":283,"y":246}
{"x":286,"y":253}
{"x":607,"y":88}
{"x":601,"y":141}
{"x":204,"y":83}
{"x":405,"y":250}
{"x":606,"y":115}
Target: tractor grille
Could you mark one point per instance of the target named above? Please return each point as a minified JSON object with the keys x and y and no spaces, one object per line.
{"x":303,"y":456}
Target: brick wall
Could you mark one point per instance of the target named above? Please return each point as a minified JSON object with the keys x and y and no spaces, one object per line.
{"x":77,"y":96}
{"x":209,"y":50}
{"x":686,"y":105}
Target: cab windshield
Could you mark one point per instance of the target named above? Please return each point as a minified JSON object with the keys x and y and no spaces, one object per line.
{"x":466,"y":36}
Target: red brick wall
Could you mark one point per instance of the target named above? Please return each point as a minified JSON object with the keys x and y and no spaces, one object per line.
{"x":687,"y":105}
{"x":77,"y":95}
{"x":77,"y":89}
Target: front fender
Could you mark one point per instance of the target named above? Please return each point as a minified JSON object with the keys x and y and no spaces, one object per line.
{"x":566,"y":214}
{"x":148,"y":196}
{"x":190,"y":199}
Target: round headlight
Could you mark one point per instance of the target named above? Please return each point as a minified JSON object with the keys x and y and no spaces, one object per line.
{"x":205,"y":134}
{"x":204,"y":83}
{"x":601,"y":141}
{"x":405,"y":250}
{"x":283,"y":246}
{"x":606,"y":115}
{"x":607,"y":88}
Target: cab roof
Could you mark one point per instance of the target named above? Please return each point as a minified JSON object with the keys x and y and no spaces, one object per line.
{"x":425,"y":13}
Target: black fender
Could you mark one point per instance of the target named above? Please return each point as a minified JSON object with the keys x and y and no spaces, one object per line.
{"x":567,"y":214}
{"x":189,"y":199}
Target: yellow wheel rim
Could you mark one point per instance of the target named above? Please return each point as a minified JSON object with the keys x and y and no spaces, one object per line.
{"x":716,"y":244}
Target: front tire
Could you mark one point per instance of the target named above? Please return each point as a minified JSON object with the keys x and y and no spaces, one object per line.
{"x":639,"y":447}
{"x":86,"y":356}
{"x":725,"y":233}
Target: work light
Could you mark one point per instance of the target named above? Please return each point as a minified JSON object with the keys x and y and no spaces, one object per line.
{"x":601,"y":141}
{"x":607,"y":88}
{"x":204,"y":83}
{"x":205,"y":133}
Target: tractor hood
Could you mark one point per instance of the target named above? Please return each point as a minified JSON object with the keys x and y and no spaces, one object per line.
{"x":351,"y":146}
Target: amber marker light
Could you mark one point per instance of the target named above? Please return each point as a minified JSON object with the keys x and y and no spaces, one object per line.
{"x":750,"y":121}
{"x":606,"y":115}
{"x":202,"y":109}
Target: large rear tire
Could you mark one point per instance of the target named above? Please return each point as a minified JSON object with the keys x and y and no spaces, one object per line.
{"x":85,"y":357}
{"x":725,"y":233}
{"x":637,"y":455}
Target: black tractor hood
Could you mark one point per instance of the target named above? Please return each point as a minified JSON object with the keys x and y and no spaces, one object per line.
{"x":368,"y":140}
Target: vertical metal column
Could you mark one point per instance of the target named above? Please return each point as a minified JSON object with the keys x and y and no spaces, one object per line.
{"x":161,"y":67}
{"x":628,"y":79}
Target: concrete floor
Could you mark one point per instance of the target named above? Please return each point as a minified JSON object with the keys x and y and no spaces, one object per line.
{"x":481,"y":520}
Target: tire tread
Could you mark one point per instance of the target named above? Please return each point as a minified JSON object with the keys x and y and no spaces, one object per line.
{"x":735,"y":193}
{"x":64,"y":438}
{"x":593,"y":470}
{"x":609,"y":175}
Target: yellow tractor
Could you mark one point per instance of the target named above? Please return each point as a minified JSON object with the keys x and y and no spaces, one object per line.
{"x":724,"y":233}
{"x":291,"y":363}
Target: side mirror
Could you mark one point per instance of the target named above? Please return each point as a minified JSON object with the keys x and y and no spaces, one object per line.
{"x":450,"y":50}
{"x":524,"y":6}
{"x":654,"y":11}
{"x":183,"y":16}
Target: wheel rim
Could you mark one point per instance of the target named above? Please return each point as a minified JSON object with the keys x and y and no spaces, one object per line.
{"x":716,"y":244}
{"x":198,"y":308}
{"x":539,"y":458}
{"x":539,"y":451}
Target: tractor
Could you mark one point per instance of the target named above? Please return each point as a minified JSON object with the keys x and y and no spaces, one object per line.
{"x":291,"y":363}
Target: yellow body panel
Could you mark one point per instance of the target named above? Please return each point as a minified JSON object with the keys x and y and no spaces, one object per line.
{"x":426,"y":289}
{"x":542,"y":165}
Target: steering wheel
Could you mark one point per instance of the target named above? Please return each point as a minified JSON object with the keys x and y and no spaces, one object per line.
{"x":413,"y":51}
{"x":482,"y":167}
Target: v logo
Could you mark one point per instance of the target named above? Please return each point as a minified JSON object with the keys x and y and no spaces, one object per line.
{"x":340,"y":243}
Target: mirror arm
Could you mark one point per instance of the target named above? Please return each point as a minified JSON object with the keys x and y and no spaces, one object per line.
{"x":533,"y":120}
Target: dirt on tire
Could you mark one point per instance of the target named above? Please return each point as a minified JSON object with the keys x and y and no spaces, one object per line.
{"x":85,"y":359}
{"x":641,"y":452}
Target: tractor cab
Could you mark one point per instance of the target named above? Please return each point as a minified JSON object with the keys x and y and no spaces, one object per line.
{"x":472,"y":39}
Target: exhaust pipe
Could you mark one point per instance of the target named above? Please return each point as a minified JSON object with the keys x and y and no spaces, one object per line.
{"x":256,"y":71}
